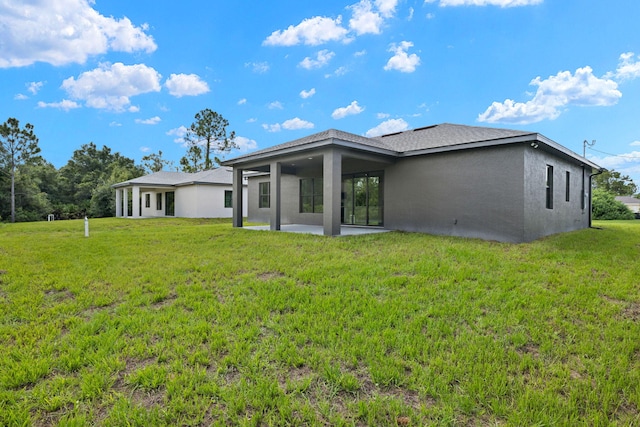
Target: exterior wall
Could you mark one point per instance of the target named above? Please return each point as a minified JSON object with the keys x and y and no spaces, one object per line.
{"x":492,"y":193}
{"x":471,"y":193}
{"x":151,"y":211}
{"x":290,"y":205}
{"x":193,"y":201}
{"x":564,"y":216}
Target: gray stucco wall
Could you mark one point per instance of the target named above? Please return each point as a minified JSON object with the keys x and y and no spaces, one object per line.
{"x":471,"y":193}
{"x":290,"y":208}
{"x":494,"y":193}
{"x":564,"y":216}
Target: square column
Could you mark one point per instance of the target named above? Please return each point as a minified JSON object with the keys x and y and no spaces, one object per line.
{"x":136,"y":202}
{"x":118,"y":203}
{"x":331,"y":192}
{"x":125,"y":202}
{"x":237,"y":197}
{"x":274,"y":203}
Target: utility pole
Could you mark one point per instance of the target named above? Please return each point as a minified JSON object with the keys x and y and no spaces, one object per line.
{"x":584,"y":146}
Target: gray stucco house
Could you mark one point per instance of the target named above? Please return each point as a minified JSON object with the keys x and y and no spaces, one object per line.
{"x":447,"y":179}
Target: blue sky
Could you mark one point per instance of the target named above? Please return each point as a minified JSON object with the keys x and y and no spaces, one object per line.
{"x":131,"y":75}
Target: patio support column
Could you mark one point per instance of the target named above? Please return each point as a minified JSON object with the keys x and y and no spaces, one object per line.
{"x":331,"y":192}
{"x":276,"y":170}
{"x":237,"y":197}
{"x":125,"y":202}
{"x":118,"y":202}
{"x":135,"y":198}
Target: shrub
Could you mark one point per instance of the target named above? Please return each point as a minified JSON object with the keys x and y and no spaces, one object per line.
{"x":605,"y":206}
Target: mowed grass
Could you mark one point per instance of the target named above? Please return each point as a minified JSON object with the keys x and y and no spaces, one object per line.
{"x":193,"y":322}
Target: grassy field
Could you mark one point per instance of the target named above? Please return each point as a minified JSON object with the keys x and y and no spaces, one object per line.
{"x":192,"y":322}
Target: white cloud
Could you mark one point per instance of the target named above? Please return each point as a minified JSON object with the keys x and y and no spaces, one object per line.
{"x":145,"y":149}
{"x":291,"y":124}
{"x":307,"y":93}
{"x":275,"y":105}
{"x":296,"y":123}
{"x":152,"y":121}
{"x":626,"y":163}
{"x":365,"y":20}
{"x":311,"y":31}
{"x":258,"y":67}
{"x":252,"y":120}
{"x":635,"y":144}
{"x":115,"y":124}
{"x":360,"y":53}
{"x":340,"y":71}
{"x":386,"y":7}
{"x":322,"y":58}
{"x":349,"y":110}
{"x":402,"y":61}
{"x":20,"y":97}
{"x":383,"y":116}
{"x":34,"y":87}
{"x":246,"y":144}
{"x":178,"y":133}
{"x":110,"y":86}
{"x":501,"y":3}
{"x":389,"y":126}
{"x":272,"y":128}
{"x":65,"y":105}
{"x":61,"y":32}
{"x":627,"y":68}
{"x":180,"y":85}
{"x":242,"y":101}
{"x":553,"y":95}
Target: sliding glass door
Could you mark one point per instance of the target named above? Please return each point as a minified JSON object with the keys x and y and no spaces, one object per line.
{"x":362,"y":199}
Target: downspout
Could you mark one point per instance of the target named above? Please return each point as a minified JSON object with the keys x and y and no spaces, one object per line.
{"x":600,"y":171}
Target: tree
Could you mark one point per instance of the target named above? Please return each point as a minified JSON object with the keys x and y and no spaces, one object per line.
{"x":87,"y":179}
{"x":605,"y":206}
{"x":17,"y":147}
{"x":155,"y":163}
{"x":192,"y":161}
{"x":614,"y":183}
{"x":209,"y":131}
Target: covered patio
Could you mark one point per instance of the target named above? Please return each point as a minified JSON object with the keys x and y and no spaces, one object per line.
{"x":326,"y":160}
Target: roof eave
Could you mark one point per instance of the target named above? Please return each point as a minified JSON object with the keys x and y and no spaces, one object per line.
{"x":287,"y":151}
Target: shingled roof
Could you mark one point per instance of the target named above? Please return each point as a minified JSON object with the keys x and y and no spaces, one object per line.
{"x":437,"y":136}
{"x":444,"y":135}
{"x":221,"y":175}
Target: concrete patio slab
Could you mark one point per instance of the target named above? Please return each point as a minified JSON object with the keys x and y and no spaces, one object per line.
{"x":345,"y":230}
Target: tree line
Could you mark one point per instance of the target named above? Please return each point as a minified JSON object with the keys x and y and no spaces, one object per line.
{"x":31,"y":188}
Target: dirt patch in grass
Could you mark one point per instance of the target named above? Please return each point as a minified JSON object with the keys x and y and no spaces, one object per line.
{"x":270,"y":275}
{"x":632,"y":311}
{"x":161,"y":302}
{"x":629,"y":310}
{"x":531,"y":349}
{"x":59,"y":295}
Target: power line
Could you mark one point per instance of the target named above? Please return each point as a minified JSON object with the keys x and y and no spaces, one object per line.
{"x":626,"y":156}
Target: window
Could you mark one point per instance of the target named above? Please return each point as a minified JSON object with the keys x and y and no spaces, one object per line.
{"x":311,"y":195}
{"x":159,"y":201}
{"x":264,"y":194}
{"x":567,"y":186}
{"x":549,"y":187}
{"x":147,"y":200}
{"x":228,"y":198}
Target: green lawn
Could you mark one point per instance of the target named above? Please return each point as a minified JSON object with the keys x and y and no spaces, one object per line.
{"x":193,"y":322}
